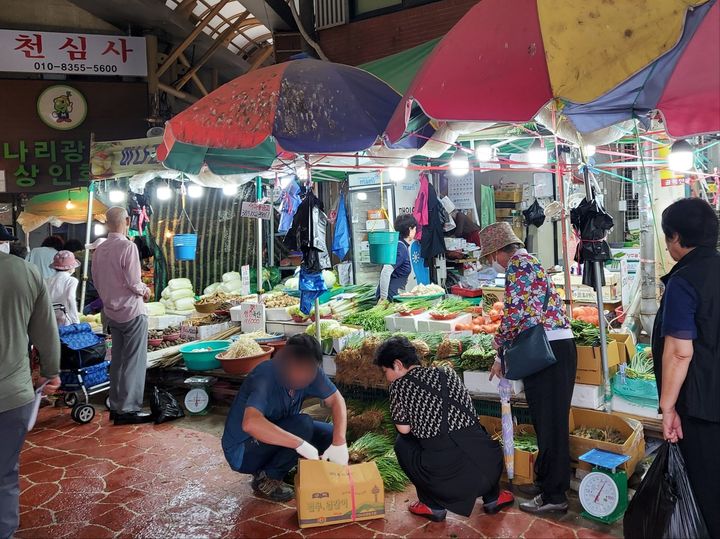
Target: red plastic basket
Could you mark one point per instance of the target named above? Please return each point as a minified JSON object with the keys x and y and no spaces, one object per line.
{"x":465,"y":292}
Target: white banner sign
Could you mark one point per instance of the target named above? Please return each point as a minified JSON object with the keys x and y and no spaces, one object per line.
{"x":245,"y":280}
{"x":256,"y":210}
{"x":28,"y":51}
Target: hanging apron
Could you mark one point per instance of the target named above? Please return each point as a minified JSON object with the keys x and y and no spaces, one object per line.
{"x":456,"y":467}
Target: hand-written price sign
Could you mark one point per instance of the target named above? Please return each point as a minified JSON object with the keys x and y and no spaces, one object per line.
{"x":245,"y":280}
{"x":252,"y":317}
{"x":255,"y":210}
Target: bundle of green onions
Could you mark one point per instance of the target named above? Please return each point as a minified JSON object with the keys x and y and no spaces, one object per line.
{"x":641,"y":367}
{"x":363,"y":299}
{"x":586,"y":334}
{"x":371,"y":319}
{"x":378,"y":448}
{"x":451,"y":306}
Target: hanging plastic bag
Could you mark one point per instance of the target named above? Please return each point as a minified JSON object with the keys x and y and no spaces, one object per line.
{"x":164,"y":406}
{"x":664,"y":505}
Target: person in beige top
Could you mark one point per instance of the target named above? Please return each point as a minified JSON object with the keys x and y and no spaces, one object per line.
{"x":27,"y":313}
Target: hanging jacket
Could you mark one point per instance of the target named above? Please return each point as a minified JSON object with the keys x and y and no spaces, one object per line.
{"x":420,"y":211}
{"x":341,"y":238}
{"x":432,"y":242}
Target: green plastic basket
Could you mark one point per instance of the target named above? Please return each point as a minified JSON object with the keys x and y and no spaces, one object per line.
{"x":203,"y":360}
{"x":383,"y":247}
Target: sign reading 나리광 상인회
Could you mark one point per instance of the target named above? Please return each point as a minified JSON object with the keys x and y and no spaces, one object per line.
{"x":46,"y":129}
{"x":29,"y":51}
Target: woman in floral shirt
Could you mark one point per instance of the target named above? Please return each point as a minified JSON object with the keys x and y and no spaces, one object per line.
{"x":549,"y":391}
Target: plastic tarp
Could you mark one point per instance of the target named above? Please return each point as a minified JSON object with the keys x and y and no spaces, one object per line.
{"x":52,"y":208}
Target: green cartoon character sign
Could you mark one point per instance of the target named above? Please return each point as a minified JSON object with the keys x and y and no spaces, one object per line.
{"x":61,"y":107}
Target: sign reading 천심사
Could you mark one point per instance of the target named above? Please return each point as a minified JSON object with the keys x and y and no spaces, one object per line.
{"x":123,"y":158}
{"x":29,"y":51}
{"x":256,"y":210}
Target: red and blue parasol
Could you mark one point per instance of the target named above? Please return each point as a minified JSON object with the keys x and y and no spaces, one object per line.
{"x":300,"y":106}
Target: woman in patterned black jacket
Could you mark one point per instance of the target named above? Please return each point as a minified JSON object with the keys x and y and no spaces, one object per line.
{"x":442,"y":447}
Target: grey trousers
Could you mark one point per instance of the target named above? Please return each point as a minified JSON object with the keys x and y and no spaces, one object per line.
{"x":13,"y":428}
{"x":128,"y":364}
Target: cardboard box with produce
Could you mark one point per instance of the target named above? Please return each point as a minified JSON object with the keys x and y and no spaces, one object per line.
{"x":526,"y":450}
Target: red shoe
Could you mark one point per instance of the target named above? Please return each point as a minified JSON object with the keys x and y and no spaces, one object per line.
{"x":505,"y":499}
{"x":420,"y":509}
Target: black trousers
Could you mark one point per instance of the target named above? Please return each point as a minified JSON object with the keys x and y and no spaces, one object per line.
{"x":699,"y":449}
{"x":549,"y":393}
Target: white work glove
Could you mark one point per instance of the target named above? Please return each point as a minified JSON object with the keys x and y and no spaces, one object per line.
{"x":337,"y":454}
{"x":308,"y":451}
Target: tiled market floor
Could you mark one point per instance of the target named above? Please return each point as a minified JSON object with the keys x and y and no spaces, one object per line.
{"x":171,"y":480}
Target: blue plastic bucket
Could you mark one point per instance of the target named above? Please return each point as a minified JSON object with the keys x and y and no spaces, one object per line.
{"x":383,"y":247}
{"x":184,"y":246}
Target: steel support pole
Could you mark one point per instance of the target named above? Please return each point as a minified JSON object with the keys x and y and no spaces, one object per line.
{"x":88,"y":231}
{"x":258,"y":241}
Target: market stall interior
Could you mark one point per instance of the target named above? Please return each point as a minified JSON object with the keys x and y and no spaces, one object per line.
{"x":271,"y":205}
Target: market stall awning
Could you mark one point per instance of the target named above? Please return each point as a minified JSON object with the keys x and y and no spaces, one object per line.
{"x":53,"y":208}
{"x":588,"y":55}
{"x":399,"y":69}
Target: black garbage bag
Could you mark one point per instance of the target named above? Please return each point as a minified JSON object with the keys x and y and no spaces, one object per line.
{"x":534,"y":216}
{"x":164,"y":406}
{"x":664,"y":505}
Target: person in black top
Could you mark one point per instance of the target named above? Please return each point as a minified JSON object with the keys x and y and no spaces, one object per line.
{"x":394,"y":277}
{"x":442,"y":447}
{"x":686,"y":348}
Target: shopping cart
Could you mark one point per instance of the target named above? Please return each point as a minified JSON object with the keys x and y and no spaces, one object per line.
{"x":83,"y":369}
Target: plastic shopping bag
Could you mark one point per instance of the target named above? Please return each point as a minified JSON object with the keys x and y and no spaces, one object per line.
{"x":664,"y":505}
{"x":164,"y":406}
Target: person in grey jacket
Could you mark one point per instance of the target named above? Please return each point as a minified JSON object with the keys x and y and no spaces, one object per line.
{"x":27,"y":313}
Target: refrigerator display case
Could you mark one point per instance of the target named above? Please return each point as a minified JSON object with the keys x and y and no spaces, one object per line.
{"x":364,"y":201}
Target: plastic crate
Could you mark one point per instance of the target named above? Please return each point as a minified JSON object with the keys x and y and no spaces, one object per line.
{"x":466,"y":292}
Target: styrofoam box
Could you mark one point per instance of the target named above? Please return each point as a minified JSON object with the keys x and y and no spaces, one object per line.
{"x":428,"y":325}
{"x":277,"y":314}
{"x":478,"y":382}
{"x":164,"y":321}
{"x":329,"y":365}
{"x":376,"y":224}
{"x":626,"y":407}
{"x":587,"y":396}
{"x":410,"y":324}
{"x":286,"y":328}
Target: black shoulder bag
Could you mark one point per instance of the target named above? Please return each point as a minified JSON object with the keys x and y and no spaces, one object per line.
{"x":530,"y":352}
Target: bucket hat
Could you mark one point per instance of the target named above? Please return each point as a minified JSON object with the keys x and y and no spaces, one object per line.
{"x":496,"y":236}
{"x":64,"y":260}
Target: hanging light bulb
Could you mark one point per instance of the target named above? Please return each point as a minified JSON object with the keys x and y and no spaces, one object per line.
{"x":681,"y":157}
{"x":168,"y":234}
{"x":285,"y":181}
{"x":398,"y":173}
{"x":116,"y":196}
{"x":459,"y":164}
{"x":301,"y":173}
{"x":362,"y":196}
{"x":589,"y":150}
{"x":537,"y":154}
{"x":230,"y":190}
{"x":484,"y":153}
{"x":99,"y":229}
{"x":163,"y":192}
{"x":195,"y":191}
{"x":69,"y":205}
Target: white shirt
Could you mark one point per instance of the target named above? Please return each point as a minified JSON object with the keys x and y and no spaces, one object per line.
{"x":62,"y":289}
{"x":42,"y":257}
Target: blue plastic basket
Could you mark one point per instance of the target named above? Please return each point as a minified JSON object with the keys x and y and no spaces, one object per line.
{"x":185,"y":246}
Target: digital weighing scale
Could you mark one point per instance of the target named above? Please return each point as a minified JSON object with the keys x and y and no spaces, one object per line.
{"x":604,"y":491}
{"x":197,"y":400}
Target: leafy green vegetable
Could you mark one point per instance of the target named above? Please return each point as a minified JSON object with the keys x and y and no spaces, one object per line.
{"x":586,"y":334}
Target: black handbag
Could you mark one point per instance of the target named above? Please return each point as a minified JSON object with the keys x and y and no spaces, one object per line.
{"x":530,"y":352}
